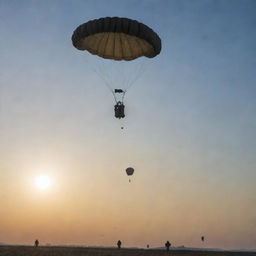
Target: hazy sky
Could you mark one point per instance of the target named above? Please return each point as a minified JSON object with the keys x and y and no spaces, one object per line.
{"x":189,"y":130}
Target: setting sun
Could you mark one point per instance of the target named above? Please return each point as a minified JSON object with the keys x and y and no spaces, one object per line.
{"x":43,"y":182}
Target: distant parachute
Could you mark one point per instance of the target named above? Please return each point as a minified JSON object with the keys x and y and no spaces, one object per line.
{"x":129,"y":172}
{"x":117,"y":39}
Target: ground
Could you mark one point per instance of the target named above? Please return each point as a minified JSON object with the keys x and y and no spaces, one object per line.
{"x":80,"y":251}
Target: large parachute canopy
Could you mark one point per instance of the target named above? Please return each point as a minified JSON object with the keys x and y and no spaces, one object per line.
{"x":117,"y":38}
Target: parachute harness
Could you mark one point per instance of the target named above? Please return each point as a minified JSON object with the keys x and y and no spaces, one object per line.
{"x":122,"y":92}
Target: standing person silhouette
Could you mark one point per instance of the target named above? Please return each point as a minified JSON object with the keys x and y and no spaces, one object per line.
{"x":167,"y":245}
{"x":119,"y":244}
{"x":36,"y":243}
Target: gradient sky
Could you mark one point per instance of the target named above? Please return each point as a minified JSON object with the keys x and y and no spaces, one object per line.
{"x":189,"y":131}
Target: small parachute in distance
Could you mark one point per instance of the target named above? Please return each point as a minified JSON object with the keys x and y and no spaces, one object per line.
{"x":129,"y":172}
{"x":202,"y":238}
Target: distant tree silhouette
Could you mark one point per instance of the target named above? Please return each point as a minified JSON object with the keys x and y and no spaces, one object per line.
{"x":167,"y":245}
{"x":36,"y":243}
{"x":119,"y":243}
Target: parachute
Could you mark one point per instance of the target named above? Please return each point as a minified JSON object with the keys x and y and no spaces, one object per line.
{"x":117,"y":39}
{"x":129,"y":172}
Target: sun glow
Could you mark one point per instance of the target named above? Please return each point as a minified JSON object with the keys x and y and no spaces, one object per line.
{"x":43,"y":182}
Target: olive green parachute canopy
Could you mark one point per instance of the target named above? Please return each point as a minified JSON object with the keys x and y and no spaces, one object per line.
{"x":117,"y":38}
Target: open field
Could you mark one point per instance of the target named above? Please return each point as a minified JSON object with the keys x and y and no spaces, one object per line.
{"x":81,"y":251}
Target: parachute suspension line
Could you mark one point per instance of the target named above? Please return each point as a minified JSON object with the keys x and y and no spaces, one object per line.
{"x":124,"y":73}
{"x":102,"y":70}
{"x":139,"y":72}
{"x":106,"y":83}
{"x":125,"y":80}
{"x":103,"y":67}
{"x":100,"y":73}
{"x":123,"y":96}
{"x":94,"y":69}
{"x":108,"y":80}
{"x":114,"y":97}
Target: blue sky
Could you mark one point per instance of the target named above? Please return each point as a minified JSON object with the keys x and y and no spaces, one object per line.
{"x":190,"y":124}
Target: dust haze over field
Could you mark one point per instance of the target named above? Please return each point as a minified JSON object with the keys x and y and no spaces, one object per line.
{"x":189,"y":129}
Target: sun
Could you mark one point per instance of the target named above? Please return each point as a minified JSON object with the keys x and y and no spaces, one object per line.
{"x":43,"y":181}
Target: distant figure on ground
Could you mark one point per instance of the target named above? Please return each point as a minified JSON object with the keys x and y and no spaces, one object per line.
{"x":167,"y":245}
{"x":36,"y":243}
{"x":119,"y":244}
